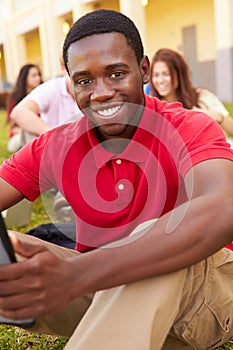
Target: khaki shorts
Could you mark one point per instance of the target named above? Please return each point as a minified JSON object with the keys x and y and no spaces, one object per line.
{"x":194,"y":304}
{"x":206,"y":320}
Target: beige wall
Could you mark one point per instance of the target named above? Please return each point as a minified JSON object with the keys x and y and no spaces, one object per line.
{"x":166,"y":18}
{"x":33,"y":48}
{"x":110,"y":4}
{"x":162,"y":23}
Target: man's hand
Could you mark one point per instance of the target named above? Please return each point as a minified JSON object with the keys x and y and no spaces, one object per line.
{"x":37,"y":286}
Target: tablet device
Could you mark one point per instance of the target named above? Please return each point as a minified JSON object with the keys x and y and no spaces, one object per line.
{"x":7,"y":256}
{"x":6,"y":250}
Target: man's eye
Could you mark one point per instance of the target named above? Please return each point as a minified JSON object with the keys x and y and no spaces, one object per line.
{"x":84,"y":81}
{"x":116,"y":74}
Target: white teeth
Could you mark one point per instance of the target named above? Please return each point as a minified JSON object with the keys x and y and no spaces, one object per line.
{"x":109,"y":112}
{"x":162,"y":87}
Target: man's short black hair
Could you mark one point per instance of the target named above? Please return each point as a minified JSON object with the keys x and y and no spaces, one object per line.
{"x":100,"y":22}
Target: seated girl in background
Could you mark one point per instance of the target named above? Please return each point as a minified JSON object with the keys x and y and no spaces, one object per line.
{"x":170,"y":80}
{"x":28,"y":78}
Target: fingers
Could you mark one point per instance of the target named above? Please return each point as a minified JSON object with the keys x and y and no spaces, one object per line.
{"x":30,"y":300}
{"x":15,"y":271}
{"x":27,"y":288}
{"x":15,"y":307}
{"x":25,"y":247}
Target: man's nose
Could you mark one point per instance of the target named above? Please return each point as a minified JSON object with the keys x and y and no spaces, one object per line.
{"x":103,"y":90}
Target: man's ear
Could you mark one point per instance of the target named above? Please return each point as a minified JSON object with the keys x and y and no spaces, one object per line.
{"x":145,"y":69}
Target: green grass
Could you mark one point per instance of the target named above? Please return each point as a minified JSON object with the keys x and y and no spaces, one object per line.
{"x":13,"y":338}
{"x":229,"y":107}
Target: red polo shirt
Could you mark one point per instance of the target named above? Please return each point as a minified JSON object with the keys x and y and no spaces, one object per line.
{"x":113,"y":193}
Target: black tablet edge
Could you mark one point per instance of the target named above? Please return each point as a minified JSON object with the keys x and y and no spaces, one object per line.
{"x":6,"y":240}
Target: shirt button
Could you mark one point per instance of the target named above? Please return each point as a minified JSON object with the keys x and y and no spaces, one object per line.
{"x":121,"y":187}
{"x":118,"y":161}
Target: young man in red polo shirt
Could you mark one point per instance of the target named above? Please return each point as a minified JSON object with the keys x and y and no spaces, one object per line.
{"x":151,"y":186}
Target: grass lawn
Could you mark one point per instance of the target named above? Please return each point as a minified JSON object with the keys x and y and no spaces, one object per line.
{"x":229,"y":106}
{"x":13,"y":338}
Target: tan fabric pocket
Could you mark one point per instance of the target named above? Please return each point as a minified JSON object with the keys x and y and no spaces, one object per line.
{"x":212,"y":324}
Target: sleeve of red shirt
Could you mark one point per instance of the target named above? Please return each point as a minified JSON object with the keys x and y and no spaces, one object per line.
{"x":230,"y":246}
{"x":204,"y":140}
{"x":26,"y":176}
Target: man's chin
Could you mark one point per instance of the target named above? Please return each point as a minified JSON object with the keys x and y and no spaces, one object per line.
{"x":112,"y":129}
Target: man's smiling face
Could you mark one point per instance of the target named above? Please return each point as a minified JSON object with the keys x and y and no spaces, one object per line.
{"x":108,"y":82}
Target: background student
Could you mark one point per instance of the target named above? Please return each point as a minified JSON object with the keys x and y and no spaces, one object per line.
{"x":29,"y":78}
{"x":170,"y":81}
{"x":53,"y":101}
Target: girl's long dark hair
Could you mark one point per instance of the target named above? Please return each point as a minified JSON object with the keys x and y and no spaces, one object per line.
{"x":20,"y":88}
{"x":185,"y":92}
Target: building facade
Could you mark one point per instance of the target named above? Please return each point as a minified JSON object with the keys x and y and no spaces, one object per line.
{"x":202,"y":30}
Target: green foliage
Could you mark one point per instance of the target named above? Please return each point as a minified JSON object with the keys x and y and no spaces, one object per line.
{"x":4,"y":129}
{"x":229,"y":107}
{"x":13,"y":338}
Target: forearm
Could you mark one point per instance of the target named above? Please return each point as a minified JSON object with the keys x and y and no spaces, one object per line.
{"x":9,"y":195}
{"x":226,"y":123}
{"x":29,"y":121}
{"x":201,"y":232}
